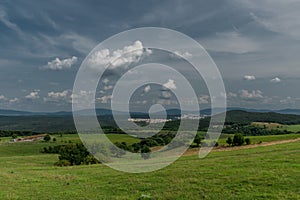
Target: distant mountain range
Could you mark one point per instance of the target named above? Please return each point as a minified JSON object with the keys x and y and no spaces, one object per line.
{"x":170,"y":112}
{"x":283,"y":111}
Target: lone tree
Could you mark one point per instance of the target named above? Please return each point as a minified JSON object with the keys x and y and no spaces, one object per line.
{"x":229,"y":141}
{"x":47,"y":138}
{"x":197,"y":140}
{"x":145,"y":152}
{"x":238,"y":139}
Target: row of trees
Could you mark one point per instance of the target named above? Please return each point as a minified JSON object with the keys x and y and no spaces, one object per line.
{"x":15,"y":134}
{"x":238,"y":140}
{"x":6,"y":133}
{"x":250,"y":130}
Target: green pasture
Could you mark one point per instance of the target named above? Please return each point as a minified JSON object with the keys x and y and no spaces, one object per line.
{"x":271,"y":172}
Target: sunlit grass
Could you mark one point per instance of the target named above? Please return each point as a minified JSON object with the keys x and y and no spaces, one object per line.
{"x":271,"y":172}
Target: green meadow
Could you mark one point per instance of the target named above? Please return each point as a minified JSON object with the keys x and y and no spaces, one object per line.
{"x":293,"y":128}
{"x":271,"y":172}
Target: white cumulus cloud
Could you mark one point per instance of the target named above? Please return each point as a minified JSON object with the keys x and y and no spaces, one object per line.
{"x":83,"y":98}
{"x":249,"y":78}
{"x":105,"y":81}
{"x":14,"y":100}
{"x":58,"y":64}
{"x":120,"y":57}
{"x":57,"y":96}
{"x":147,"y":88}
{"x":166,"y":95}
{"x":170,"y":84}
{"x":108,"y":87}
{"x":203,"y":99}
{"x":33,"y":95}
{"x":2,"y":97}
{"x":275,"y":80}
{"x":105,"y":99}
{"x":254,"y":94}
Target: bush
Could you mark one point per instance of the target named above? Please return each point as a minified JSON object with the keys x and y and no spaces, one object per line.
{"x":197,"y":140}
{"x":149,"y":142}
{"x":229,"y":141}
{"x":62,"y":163}
{"x":75,"y":154}
{"x":90,"y":159}
{"x":160,"y":141}
{"x":214,"y":144}
{"x":14,"y":136}
{"x":54,"y":139}
{"x":238,"y":139}
{"x":47,"y":138}
{"x":45,"y":150}
{"x":145,"y":152}
{"x":136,"y":147}
{"x":123,"y":145}
{"x":248,"y":141}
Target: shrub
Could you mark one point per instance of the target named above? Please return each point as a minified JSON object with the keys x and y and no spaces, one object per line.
{"x":47,"y":138}
{"x":54,"y":139}
{"x":197,"y":140}
{"x":90,"y":159}
{"x":45,"y":150}
{"x":229,"y":141}
{"x":248,"y":141}
{"x":167,"y":139}
{"x":123,"y":146}
{"x":75,"y":154}
{"x":14,"y":136}
{"x":149,"y":142}
{"x":62,"y":163}
{"x":136,"y":147}
{"x":159,"y":141}
{"x":238,"y":139}
{"x":145,"y":152}
{"x":214,"y":144}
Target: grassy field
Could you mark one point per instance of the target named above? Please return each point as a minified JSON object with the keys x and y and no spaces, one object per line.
{"x":262,"y":173}
{"x":292,"y":128}
{"x":258,"y":139}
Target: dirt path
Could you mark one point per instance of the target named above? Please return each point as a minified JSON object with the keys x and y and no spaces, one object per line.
{"x":264,"y":144}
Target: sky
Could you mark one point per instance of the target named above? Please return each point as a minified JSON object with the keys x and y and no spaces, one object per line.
{"x":254,"y":43}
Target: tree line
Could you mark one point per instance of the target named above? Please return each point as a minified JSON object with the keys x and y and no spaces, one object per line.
{"x":250,"y":130}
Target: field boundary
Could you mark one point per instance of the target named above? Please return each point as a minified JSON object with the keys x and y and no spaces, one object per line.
{"x":251,"y":146}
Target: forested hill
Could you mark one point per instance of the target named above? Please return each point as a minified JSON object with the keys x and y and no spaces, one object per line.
{"x":243,"y":117}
